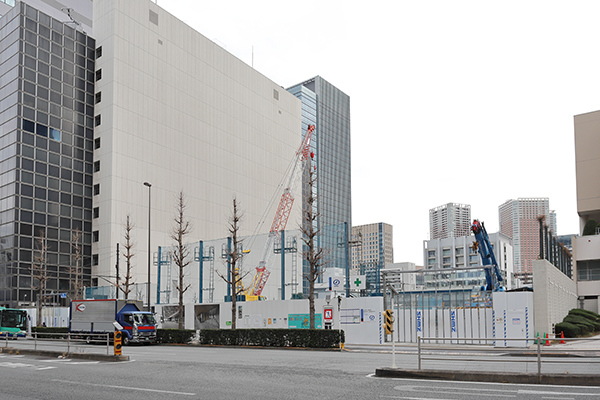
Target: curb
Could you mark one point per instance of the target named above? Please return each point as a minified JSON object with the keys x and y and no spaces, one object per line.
{"x":47,"y":353}
{"x":495,"y":377}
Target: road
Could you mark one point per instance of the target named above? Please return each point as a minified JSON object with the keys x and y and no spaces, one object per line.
{"x":182,"y":372}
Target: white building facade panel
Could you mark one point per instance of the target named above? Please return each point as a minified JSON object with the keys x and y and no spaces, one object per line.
{"x":183,"y":114}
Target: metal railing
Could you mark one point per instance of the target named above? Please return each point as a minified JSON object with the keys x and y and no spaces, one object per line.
{"x":538,"y":342}
{"x":47,"y":341}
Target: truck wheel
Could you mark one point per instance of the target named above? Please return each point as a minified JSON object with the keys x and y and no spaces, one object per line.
{"x":125,"y":340}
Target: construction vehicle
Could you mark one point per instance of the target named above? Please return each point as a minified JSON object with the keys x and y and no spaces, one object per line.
{"x":93,"y":319}
{"x":253,"y":292}
{"x":13,"y":322}
{"x":493,"y":277}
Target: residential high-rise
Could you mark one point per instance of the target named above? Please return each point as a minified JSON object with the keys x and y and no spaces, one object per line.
{"x":449,"y":220}
{"x":519,"y":221}
{"x":87,"y":118}
{"x":328,"y":108}
{"x":47,"y":75}
{"x":372,"y":249}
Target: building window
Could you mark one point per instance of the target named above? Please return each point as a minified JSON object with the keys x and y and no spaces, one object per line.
{"x":97,"y":143}
{"x":96,"y":212}
{"x":94,"y":259}
{"x":96,"y":189}
{"x":97,"y":120}
{"x":588,"y":270}
{"x":95,"y":236}
{"x":98,"y":74}
{"x":431,"y":253}
{"x":96,"y":166}
{"x":99,"y":52}
{"x":98,"y":97}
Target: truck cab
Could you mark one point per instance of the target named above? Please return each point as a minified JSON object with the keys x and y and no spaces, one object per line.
{"x":138,"y":327}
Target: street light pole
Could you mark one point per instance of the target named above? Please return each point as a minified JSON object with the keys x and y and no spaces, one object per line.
{"x":148,"y":287}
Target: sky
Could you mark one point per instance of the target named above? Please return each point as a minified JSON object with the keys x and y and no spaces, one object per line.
{"x":466,"y":102}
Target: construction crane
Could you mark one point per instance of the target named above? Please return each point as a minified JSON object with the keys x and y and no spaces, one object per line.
{"x":259,"y":281}
{"x":488,"y":259}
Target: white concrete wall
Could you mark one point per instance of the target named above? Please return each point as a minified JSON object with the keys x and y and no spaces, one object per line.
{"x":554,"y":294}
{"x":182,"y":113}
{"x":360,"y":318}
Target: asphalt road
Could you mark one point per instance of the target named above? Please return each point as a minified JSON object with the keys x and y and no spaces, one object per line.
{"x":185,"y":372}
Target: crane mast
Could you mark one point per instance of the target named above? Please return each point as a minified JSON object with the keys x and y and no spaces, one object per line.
{"x":493,"y":276}
{"x":282,"y":215}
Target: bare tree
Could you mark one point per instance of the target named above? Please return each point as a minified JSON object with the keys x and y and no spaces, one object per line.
{"x":76,"y":270}
{"x":180,"y":255}
{"x":127,"y":286}
{"x":234,"y":256}
{"x":312,"y":253}
{"x":39,"y":273}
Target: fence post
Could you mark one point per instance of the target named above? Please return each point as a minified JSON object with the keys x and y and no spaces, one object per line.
{"x":419,"y":351}
{"x":539,"y":360}
{"x":35,"y":340}
{"x":108,"y":344}
{"x":68,"y":342}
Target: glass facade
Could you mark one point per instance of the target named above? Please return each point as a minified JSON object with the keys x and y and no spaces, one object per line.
{"x":46,"y":144}
{"x":328,"y":108}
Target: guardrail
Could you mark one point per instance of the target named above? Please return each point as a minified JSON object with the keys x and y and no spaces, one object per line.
{"x":46,"y":341}
{"x":538,"y":351}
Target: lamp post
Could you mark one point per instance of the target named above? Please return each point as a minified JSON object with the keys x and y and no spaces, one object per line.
{"x":148,"y":287}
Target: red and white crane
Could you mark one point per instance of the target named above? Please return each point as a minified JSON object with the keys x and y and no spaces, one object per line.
{"x":283,"y":213}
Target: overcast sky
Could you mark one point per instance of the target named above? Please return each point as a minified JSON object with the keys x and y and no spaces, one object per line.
{"x":451,"y":101}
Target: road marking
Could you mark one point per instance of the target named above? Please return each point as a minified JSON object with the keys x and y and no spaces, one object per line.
{"x":23,"y":365}
{"x":69,"y":361}
{"x":485,"y":383}
{"x":556,"y":393}
{"x":452,"y":390}
{"x":124,"y":387}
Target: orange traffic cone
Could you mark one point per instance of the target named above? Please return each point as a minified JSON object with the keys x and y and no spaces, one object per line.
{"x":562,"y":336}
{"x":547,"y":341}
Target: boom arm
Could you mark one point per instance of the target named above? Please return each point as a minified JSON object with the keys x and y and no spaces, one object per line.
{"x":488,"y":259}
{"x":282,"y":215}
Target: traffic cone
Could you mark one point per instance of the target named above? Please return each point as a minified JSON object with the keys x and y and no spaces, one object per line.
{"x":547,"y":341}
{"x":562,"y":336}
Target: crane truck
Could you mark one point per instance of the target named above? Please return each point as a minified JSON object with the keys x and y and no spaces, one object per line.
{"x":493,"y":277}
{"x":93,"y":319}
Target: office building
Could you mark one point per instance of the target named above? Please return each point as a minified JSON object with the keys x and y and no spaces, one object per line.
{"x":372,"y":248}
{"x":449,"y":220}
{"x":519,"y":221}
{"x":328,"y":108}
{"x":46,"y":144}
{"x":88,"y":118}
{"x":586,"y":249}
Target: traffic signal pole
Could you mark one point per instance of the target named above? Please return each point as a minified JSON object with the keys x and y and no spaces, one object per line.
{"x":393,"y":343}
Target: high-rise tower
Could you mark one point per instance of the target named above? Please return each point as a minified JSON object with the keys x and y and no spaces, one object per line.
{"x":328,"y":108}
{"x":519,"y":221}
{"x":449,"y":220}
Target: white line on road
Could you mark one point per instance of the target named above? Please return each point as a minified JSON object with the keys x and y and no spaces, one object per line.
{"x":124,"y":387}
{"x":69,"y":361}
{"x":556,"y":393}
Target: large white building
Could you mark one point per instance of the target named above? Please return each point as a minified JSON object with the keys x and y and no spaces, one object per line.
{"x":449,"y":220}
{"x":140,"y":97}
{"x":586,"y":249}
{"x":180,"y":112}
{"x":458,"y":252}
